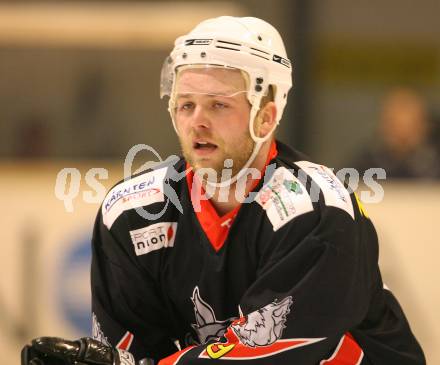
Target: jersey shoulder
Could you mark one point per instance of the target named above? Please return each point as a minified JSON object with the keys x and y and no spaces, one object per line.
{"x":143,"y":189}
{"x":295,"y":186}
{"x":325,"y":182}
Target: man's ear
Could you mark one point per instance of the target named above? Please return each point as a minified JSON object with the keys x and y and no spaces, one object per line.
{"x":266,"y":119}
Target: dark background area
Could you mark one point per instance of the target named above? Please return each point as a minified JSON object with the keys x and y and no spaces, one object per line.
{"x":95,"y":101}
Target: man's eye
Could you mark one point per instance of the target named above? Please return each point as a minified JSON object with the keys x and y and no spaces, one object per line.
{"x":220,"y":105}
{"x":185,"y":106}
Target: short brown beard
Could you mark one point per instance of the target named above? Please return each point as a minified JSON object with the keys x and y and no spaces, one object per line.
{"x":240,"y":160}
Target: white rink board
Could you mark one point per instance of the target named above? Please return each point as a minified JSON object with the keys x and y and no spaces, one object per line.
{"x":29,"y":204}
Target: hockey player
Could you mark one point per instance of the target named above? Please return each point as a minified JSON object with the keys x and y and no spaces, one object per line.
{"x":267,"y":258}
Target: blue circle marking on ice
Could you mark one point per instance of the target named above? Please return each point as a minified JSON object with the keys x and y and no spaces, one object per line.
{"x":74,"y":286}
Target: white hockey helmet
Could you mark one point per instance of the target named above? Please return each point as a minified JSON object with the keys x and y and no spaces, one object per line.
{"x":248,"y":44}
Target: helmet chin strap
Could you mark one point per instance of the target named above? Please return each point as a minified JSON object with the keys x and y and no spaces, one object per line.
{"x":239,"y":174}
{"x":258,"y":143}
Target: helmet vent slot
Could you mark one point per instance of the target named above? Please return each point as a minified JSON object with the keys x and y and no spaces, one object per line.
{"x":254,"y":54}
{"x":232,"y":49}
{"x":235,"y":44}
{"x":259,"y":50}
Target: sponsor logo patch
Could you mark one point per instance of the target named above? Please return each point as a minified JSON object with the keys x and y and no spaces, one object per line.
{"x":140,"y":191}
{"x":283,"y":198}
{"x":154,"y":237}
{"x":335,"y":193}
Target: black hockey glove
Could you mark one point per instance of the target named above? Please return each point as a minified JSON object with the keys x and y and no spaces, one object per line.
{"x":85,"y":351}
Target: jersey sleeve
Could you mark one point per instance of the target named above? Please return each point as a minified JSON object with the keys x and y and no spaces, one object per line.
{"x":128,"y":310}
{"x":314,"y":284}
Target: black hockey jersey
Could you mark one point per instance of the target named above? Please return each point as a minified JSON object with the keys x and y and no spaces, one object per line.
{"x":289,"y":277}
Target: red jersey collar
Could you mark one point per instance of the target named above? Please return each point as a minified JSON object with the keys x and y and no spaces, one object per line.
{"x":215,"y":227}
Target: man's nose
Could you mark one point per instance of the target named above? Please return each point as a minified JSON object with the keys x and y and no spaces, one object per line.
{"x":200,"y":118}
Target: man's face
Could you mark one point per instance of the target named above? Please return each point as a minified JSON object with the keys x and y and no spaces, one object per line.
{"x":212,"y":117}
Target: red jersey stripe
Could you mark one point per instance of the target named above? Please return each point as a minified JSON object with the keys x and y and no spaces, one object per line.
{"x":125,"y":342}
{"x":348,"y":352}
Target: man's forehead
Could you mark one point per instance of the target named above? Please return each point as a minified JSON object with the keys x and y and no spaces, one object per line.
{"x":210,"y":80}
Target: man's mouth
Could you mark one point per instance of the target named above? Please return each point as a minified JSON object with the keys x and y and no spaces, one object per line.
{"x":204,"y":146}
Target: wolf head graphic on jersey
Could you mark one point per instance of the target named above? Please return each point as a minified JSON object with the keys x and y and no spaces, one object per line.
{"x":207,"y":327}
{"x":264,"y":326}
